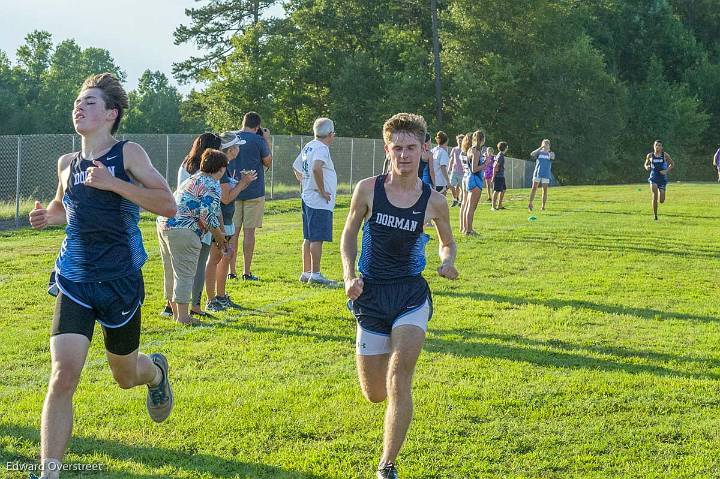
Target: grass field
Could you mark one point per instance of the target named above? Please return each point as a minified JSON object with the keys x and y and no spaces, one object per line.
{"x":585,"y":344}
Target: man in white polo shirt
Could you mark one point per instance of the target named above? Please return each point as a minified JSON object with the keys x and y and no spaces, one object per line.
{"x":315,"y":170}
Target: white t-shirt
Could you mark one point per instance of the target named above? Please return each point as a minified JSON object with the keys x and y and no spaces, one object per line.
{"x":440,"y":158}
{"x":314,"y":151}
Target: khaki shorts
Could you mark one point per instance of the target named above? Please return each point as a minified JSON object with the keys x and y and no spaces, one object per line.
{"x":249,"y":213}
{"x":179,"y":250}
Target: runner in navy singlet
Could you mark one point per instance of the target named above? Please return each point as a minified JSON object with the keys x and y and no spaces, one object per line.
{"x":97,"y":275}
{"x":658,"y":163}
{"x":391,"y":300}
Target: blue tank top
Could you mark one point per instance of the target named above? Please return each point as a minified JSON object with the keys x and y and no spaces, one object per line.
{"x":425,"y":177}
{"x":393,"y":242}
{"x":481,"y":164}
{"x":543,"y":165}
{"x":103,"y":241}
{"x":658,"y":164}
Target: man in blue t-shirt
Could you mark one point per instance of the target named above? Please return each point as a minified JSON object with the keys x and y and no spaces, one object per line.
{"x":250,"y":204}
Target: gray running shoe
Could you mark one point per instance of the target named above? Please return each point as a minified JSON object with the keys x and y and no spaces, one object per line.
{"x":215,"y":305}
{"x":388,"y":471}
{"x":160,"y":398}
{"x":227,"y":302}
{"x":304,"y":277}
{"x":319,"y":279}
{"x":167,"y":312}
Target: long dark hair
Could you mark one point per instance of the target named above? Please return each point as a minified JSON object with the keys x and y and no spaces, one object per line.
{"x":191,"y":163}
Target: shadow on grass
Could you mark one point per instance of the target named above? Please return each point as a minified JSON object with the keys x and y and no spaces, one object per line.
{"x":645,"y":313}
{"x":645,"y":214}
{"x":545,"y":353}
{"x":587,"y":243}
{"x":518,"y":348}
{"x":152,"y":457}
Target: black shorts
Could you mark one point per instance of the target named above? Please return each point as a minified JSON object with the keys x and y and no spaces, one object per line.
{"x":115,"y":304}
{"x":380,"y":304}
{"x":499,"y":184}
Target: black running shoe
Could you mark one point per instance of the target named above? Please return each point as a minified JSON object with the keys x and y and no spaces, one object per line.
{"x":159,"y":400}
{"x":227,"y":302}
{"x":232,"y":276}
{"x":388,"y":471}
{"x":250,"y":277}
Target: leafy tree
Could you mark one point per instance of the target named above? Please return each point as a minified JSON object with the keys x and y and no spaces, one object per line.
{"x":211,"y":28}
{"x":154,"y":106}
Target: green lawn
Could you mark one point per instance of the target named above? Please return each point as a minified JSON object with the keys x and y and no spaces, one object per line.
{"x":585,"y":344}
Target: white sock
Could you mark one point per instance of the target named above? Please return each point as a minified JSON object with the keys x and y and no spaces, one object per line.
{"x":158,"y":377}
{"x":51,"y":469}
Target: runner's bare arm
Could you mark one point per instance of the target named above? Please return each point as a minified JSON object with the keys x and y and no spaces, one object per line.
{"x":54,"y":214}
{"x":670,"y":163}
{"x":647,"y":162}
{"x":440,"y":213}
{"x":359,"y":207}
{"x":154,"y":195}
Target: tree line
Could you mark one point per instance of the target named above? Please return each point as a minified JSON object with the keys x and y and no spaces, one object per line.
{"x":601,"y":79}
{"x":37,"y":93}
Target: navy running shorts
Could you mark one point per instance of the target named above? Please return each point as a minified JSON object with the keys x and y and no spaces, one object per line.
{"x":115,"y":304}
{"x":381,"y":304}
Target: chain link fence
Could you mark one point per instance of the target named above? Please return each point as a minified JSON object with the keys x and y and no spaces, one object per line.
{"x":28,"y":166}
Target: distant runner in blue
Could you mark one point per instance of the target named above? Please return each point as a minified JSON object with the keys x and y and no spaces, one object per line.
{"x":716,"y":162}
{"x":97,"y":275}
{"x":541,"y":175}
{"x":659,"y":164}
{"x":391,"y":300}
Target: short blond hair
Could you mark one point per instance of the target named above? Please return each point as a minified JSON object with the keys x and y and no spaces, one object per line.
{"x":405,"y":123}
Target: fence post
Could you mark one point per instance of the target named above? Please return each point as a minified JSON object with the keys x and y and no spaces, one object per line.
{"x":512,"y":183}
{"x":272,"y":167}
{"x":167,"y":158}
{"x":374,"y":148}
{"x":352,"y":148}
{"x":17,"y":184}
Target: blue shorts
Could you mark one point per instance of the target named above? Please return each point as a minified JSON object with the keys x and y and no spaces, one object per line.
{"x":381,"y":305}
{"x":113,"y":302}
{"x":317,"y":223}
{"x":475,"y":181}
{"x":659,"y":180}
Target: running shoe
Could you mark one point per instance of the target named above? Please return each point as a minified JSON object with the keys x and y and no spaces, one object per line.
{"x":232,"y":276}
{"x":215,"y":305}
{"x":455,"y":202}
{"x":167,"y":312}
{"x":304,"y":277}
{"x":319,"y":279}
{"x":250,"y":277}
{"x":388,"y":471}
{"x":227,"y":302}
{"x":160,"y":398}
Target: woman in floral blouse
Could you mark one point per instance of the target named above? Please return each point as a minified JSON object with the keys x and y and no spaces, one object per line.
{"x":198,"y":212}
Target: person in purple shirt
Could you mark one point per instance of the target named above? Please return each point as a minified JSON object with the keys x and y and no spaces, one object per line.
{"x":716,"y":162}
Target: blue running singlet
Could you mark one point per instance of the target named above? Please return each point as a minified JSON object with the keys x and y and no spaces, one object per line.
{"x":393,"y":243}
{"x":543,"y":165}
{"x":103,"y":241}
{"x":657,"y":164}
